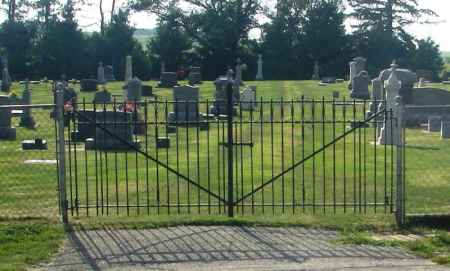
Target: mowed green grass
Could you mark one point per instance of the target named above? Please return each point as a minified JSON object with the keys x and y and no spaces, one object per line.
{"x":31,"y":189}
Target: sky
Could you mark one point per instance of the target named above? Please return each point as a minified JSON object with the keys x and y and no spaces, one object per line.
{"x":439,"y":32}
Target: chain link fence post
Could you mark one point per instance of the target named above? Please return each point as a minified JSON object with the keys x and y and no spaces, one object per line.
{"x":61,"y":151}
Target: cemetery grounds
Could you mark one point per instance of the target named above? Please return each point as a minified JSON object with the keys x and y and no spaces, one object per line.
{"x":29,"y":191}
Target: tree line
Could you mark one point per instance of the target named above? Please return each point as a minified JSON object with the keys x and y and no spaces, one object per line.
{"x":212,"y":34}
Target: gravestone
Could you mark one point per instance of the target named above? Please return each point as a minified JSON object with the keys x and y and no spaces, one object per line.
{"x":195,"y":76}
{"x":185,"y":107}
{"x":360,"y":86}
{"x":377,"y":96}
{"x":120,"y":132}
{"x":336,"y":94}
{"x":133,"y":90}
{"x":389,"y":134}
{"x":147,"y":91}
{"x":6,"y":80}
{"x":88,"y":85}
{"x":427,"y":75}
{"x":238,"y":73}
{"x":406,"y":77}
{"x":128,"y":68}
{"x":356,"y":67}
{"x":248,"y":99}
{"x":316,"y":71}
{"x":352,"y":65}
{"x":109,"y":74}
{"x":85,"y":126}
{"x":259,"y":74}
{"x":27,"y":120}
{"x":102,"y":96}
{"x":163,"y":67}
{"x":101,"y":78}
{"x":168,"y":80}
{"x":163,"y":143}
{"x":434,"y":124}
{"x":219,"y":106}
{"x":6,"y":131}
{"x":445,"y":129}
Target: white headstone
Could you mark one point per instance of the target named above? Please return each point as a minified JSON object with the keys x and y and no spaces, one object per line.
{"x":248,"y":98}
{"x":101,"y":74}
{"x":259,"y":75}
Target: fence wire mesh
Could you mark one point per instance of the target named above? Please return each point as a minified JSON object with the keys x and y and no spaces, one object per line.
{"x":28,"y":165}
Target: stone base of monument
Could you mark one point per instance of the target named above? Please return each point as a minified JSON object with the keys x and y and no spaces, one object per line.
{"x":85,"y":130}
{"x":163,"y":142}
{"x":147,"y":91}
{"x":446,"y":82}
{"x":111,"y":145}
{"x":221,"y":110}
{"x":16,"y":113}
{"x":183,"y":118}
{"x":7,"y":133}
{"x":36,"y":144}
{"x":359,"y":95}
{"x":102,"y":97}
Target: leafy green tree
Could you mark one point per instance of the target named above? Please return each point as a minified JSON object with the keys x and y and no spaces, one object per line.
{"x":16,"y":39}
{"x":14,"y":9}
{"x":282,"y":43}
{"x":380,"y":29}
{"x":390,"y":16}
{"x":428,"y":57}
{"x":218,"y":28}
{"x":170,"y":43}
{"x":325,"y":38}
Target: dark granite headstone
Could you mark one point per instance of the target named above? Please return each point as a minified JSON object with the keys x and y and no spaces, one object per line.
{"x":88,"y":85}
{"x":168,"y":80}
{"x":6,"y":131}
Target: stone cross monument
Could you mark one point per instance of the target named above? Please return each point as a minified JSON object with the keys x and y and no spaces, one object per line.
{"x":259,"y":75}
{"x":389,"y":132}
{"x":27,"y":120}
{"x":128,"y":69}
{"x":101,"y":74}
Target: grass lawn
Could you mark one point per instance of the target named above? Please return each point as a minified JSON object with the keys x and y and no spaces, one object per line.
{"x":23,"y":243}
{"x":29,"y":190}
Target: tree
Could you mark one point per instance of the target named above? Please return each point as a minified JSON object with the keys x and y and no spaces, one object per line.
{"x":380,"y":33}
{"x":16,"y":39}
{"x":325,"y":38}
{"x":14,"y":9}
{"x":170,"y":43}
{"x":282,"y":41}
{"x":390,"y":16}
{"x":428,"y":57}
{"x":218,"y":28}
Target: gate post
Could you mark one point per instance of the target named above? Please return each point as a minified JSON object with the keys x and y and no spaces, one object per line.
{"x":400,"y":201}
{"x":61,"y":151}
{"x":230,"y":147}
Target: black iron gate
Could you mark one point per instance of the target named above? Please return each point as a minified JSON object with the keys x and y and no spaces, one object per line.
{"x":268,"y":156}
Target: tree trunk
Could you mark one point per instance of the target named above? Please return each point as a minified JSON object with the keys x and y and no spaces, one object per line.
{"x":113,"y":7}
{"x":102,"y":18}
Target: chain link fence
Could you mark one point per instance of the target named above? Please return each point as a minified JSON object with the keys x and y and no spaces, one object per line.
{"x":427,"y":160}
{"x":28,"y":165}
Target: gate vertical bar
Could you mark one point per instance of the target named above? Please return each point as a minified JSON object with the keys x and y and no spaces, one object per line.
{"x":61,"y":152}
{"x":230,"y":148}
{"x":400,"y":204}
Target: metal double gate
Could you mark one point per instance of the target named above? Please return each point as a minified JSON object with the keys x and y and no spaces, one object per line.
{"x":266,"y":157}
